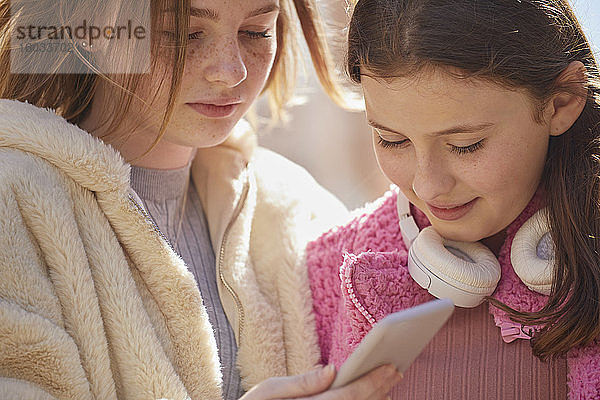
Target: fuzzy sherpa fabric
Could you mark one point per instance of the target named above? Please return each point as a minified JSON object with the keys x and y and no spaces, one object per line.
{"x":370,"y":252}
{"x":94,"y":304}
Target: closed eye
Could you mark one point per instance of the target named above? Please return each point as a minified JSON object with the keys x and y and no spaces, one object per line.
{"x":467,"y":149}
{"x":257,"y":34}
{"x":196,"y":35}
{"x":386,"y":144}
{"x":171,"y":36}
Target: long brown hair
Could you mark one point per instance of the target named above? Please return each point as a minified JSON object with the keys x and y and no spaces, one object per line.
{"x":71,"y":94}
{"x":522,"y":44}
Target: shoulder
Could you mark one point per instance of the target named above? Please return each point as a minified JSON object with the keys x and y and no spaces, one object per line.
{"x":370,"y":245}
{"x":35,"y":196}
{"x":22,"y":172}
{"x":34,"y":200}
{"x":373,"y":227}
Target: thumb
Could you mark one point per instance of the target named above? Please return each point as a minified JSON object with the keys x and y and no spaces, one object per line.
{"x":285,"y":387}
{"x":313,"y":382}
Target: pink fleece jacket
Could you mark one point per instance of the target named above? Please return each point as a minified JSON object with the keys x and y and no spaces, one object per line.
{"x":358,"y":274}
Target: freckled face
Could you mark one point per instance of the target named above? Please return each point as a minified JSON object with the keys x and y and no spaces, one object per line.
{"x":232,"y":45}
{"x":466,"y":153}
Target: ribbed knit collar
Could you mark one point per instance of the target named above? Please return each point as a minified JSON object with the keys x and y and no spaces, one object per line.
{"x":158,"y":184}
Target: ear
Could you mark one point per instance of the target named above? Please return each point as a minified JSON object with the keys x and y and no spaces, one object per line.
{"x":565,"y":107}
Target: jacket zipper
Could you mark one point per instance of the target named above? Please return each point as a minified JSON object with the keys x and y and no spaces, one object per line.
{"x":236,"y":213}
{"x":149,"y":218}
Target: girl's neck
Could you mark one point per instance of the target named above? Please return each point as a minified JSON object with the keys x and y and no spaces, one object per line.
{"x":132,"y":143}
{"x":132,"y":139}
{"x":164,"y":155}
{"x":495,"y":242}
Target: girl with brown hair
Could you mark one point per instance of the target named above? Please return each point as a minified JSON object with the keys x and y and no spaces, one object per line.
{"x":486,"y":117}
{"x":176,"y":275}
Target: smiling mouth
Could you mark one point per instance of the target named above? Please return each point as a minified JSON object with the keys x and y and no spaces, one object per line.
{"x":451,"y":213}
{"x":215,"y":110}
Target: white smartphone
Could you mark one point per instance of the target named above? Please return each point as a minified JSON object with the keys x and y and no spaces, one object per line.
{"x":396,"y":339}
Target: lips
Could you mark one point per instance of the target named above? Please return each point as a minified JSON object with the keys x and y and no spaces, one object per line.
{"x":451,"y":212}
{"x":216,"y":108}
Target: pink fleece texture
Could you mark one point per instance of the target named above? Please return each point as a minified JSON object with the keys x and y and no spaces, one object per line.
{"x":358,"y":274}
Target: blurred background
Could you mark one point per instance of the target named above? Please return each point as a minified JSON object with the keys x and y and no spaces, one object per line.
{"x":335,"y":145}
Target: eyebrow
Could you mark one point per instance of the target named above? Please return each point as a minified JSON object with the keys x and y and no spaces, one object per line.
{"x":212,"y":15}
{"x":264,"y":10}
{"x":444,"y":132}
{"x":205,"y":13}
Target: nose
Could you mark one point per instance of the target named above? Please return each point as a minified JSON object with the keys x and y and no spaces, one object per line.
{"x":226,"y":65}
{"x":432,"y":178}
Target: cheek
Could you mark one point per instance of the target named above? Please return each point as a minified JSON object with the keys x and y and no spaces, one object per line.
{"x":489,"y":173}
{"x":396,"y":166}
{"x":258,"y":57}
{"x":511,"y":170}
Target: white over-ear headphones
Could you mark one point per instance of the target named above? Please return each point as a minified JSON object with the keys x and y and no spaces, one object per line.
{"x":467,"y":272}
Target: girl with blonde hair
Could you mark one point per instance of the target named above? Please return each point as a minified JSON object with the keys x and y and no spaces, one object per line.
{"x":174,"y":275}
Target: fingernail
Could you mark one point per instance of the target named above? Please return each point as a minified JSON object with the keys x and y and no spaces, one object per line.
{"x":391,"y":370}
{"x":328,"y":370}
{"x":398,"y":377}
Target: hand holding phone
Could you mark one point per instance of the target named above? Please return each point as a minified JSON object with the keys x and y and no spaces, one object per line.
{"x":396,"y":339}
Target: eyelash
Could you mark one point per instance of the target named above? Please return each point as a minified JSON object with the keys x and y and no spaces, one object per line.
{"x":455,"y":149}
{"x":258,"y":35}
{"x":467,"y":149}
{"x":251,"y":34}
{"x":195,"y":35}
{"x":389,"y":145}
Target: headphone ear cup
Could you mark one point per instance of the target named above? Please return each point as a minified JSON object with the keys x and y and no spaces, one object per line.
{"x":532,"y":253}
{"x":463,"y":272}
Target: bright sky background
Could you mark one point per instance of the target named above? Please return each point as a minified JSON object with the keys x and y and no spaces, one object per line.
{"x":588,"y":12}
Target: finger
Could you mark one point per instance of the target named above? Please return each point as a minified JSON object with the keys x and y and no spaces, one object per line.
{"x":374,"y":385}
{"x":310,"y":383}
{"x":313,"y":382}
{"x":384,"y":390}
{"x":378,"y":383}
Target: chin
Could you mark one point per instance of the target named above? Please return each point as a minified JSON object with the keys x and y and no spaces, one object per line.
{"x":205,"y":135}
{"x":199,"y":131}
{"x":459,"y":235}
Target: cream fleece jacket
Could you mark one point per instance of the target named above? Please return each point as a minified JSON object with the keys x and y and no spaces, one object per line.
{"x":94,"y":304}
